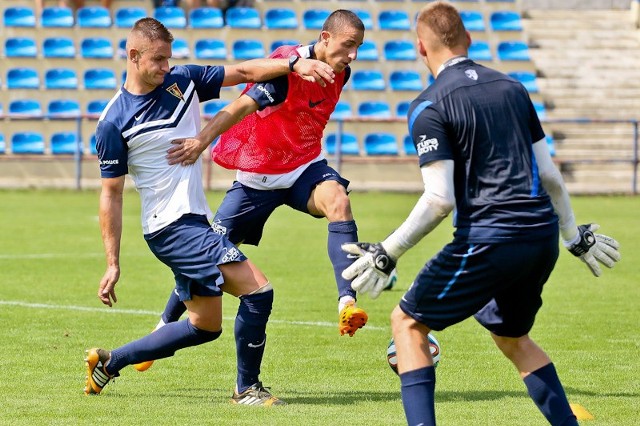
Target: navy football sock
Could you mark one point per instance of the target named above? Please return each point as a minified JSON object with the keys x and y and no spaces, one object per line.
{"x":547,"y":392}
{"x":340,"y":233}
{"x":174,"y":309}
{"x":162,"y":343}
{"x":250,"y":327}
{"x":418,"y":389}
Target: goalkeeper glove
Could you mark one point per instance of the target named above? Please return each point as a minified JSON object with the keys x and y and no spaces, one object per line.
{"x":370,"y":273}
{"x":593,"y":248}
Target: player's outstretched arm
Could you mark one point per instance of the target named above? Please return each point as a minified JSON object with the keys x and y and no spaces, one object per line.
{"x":370,"y":272}
{"x":581,"y":241}
{"x":256,"y":70}
{"x":110,"y":215}
{"x":188,"y":150}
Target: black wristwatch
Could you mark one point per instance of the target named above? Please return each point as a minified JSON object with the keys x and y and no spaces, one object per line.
{"x":293,"y":59}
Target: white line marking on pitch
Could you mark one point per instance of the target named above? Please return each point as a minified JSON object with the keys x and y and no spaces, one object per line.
{"x":157,"y":314}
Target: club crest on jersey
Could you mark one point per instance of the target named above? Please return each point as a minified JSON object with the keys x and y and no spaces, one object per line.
{"x":175,"y":91}
{"x":472,"y":74}
{"x":426,"y":145}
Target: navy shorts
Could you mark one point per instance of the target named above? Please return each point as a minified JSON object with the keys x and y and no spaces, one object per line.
{"x":193,"y":252}
{"x":244,"y":211}
{"x":499,"y":284}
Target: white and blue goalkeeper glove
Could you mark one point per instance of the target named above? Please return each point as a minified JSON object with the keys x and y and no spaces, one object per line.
{"x":370,"y":273}
{"x":592,"y":248}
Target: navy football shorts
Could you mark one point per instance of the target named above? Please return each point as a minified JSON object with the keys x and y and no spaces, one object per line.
{"x":499,"y":284}
{"x":244,"y":211}
{"x":193,"y":252}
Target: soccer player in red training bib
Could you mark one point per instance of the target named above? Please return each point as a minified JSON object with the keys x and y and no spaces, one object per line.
{"x":275,"y":146}
{"x":482,"y":151}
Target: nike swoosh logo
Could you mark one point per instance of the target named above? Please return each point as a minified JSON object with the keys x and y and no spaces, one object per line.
{"x":138,"y":117}
{"x":251,"y":345}
{"x":315,"y":104}
{"x":352,"y":256}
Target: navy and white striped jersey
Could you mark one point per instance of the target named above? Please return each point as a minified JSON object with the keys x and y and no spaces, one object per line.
{"x":485,"y":122}
{"x":135,"y":131}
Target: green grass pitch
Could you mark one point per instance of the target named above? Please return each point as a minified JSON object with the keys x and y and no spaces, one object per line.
{"x":51,"y":261}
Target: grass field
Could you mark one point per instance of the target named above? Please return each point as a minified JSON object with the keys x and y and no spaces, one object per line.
{"x":51,"y":261}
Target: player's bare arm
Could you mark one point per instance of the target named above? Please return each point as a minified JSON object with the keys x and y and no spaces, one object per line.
{"x":187,"y":151}
{"x":111,"y":228}
{"x":256,"y":70}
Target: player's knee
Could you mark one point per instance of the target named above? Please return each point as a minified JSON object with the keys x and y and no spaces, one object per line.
{"x":400,"y":321}
{"x":511,"y":346}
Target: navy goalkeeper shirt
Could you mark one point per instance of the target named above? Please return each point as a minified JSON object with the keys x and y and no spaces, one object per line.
{"x":485,"y":122}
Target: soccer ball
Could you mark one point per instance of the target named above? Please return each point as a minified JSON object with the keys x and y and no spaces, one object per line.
{"x":434,"y":346}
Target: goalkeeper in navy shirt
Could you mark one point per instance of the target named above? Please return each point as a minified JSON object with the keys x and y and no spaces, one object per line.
{"x":156,"y":105}
{"x":482,"y":152}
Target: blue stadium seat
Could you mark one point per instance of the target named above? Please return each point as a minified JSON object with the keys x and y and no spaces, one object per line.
{"x":125,"y":17}
{"x":280,"y":18}
{"x":58,"y":47}
{"x":122,"y":48}
{"x":380,"y":143}
{"x":409,"y":147}
{"x":180,"y":48}
{"x":27,"y":143}
{"x":248,"y":49}
{"x":541,"y":110}
{"x":368,"y":51}
{"x":60,"y":78}
{"x":514,"y":50}
{"x":25,"y":108}
{"x":285,"y":42}
{"x":313,"y":19}
{"x":63,"y":108}
{"x":212,"y":107}
{"x":23,"y":78}
{"x":365,"y":17}
{"x":402,"y":109}
{"x":527,"y":78}
{"x":210,"y":48}
{"x":64,"y":143}
{"x":243,"y":17}
{"x":3,"y":146}
{"x":93,"y":17}
{"x":20,"y":47}
{"x":100,"y":78}
{"x":374,"y":109}
{"x":473,"y":20}
{"x":341,"y":111}
{"x":96,"y":47}
{"x":505,"y":20}
{"x":394,"y":19}
{"x":19,"y":16}
{"x":348,"y":144}
{"x":96,"y":106}
{"x":399,"y":50}
{"x":92,"y":144}
{"x":367,"y":80}
{"x":57,"y":17}
{"x":480,"y":51}
{"x":551,"y":144}
{"x":206,"y":17}
{"x":171,"y":16}
{"x":406,"y":80}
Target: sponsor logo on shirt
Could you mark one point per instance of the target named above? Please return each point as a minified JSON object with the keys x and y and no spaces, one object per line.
{"x":218,"y":229}
{"x":107,"y":162}
{"x":231,"y":255}
{"x":266,"y":92}
{"x":427,"y":145}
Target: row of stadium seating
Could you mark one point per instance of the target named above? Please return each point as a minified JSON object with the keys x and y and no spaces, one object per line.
{"x":106,"y":78}
{"x":244,"y":48}
{"x":237,"y":17}
{"x":67,"y":143}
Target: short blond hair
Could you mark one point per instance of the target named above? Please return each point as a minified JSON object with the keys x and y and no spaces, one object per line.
{"x":444,"y":20}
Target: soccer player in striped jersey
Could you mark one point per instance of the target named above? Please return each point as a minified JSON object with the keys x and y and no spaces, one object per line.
{"x":156,"y":105}
{"x":483,"y":152}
